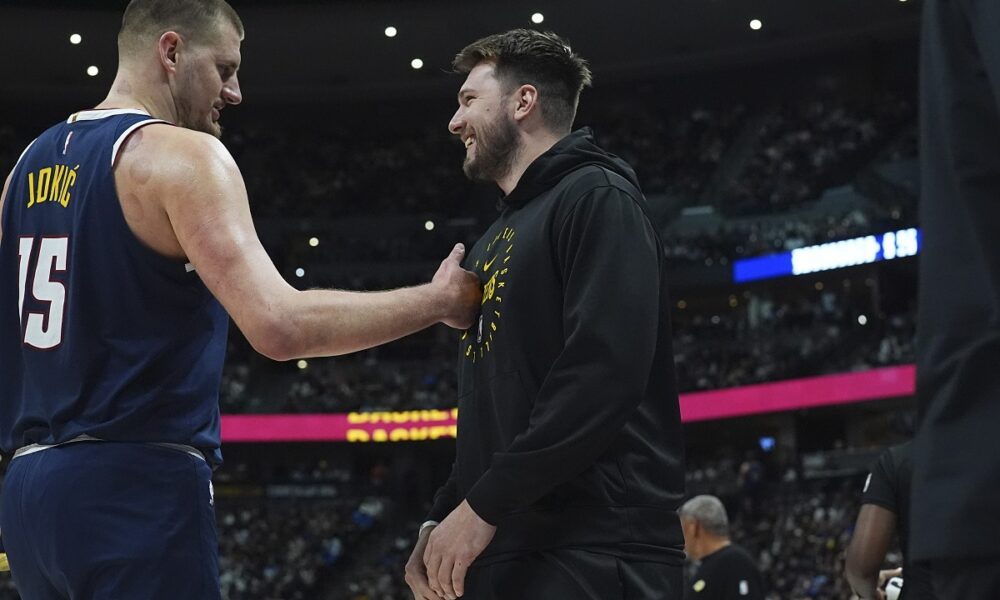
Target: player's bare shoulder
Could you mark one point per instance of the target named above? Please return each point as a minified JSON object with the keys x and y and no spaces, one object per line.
{"x":162,"y":154}
{"x":159,"y":165}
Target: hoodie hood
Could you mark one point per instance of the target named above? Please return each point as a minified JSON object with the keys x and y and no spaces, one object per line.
{"x":573,"y":152}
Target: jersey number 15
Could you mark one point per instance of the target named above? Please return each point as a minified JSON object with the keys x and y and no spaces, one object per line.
{"x":42,"y":331}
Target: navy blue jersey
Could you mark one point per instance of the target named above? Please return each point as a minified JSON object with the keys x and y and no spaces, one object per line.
{"x":99,"y":334}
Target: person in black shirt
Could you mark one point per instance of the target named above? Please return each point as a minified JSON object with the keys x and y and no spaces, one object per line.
{"x":725,"y":570}
{"x":956,"y":468}
{"x":885,"y":509}
{"x":569,"y":464}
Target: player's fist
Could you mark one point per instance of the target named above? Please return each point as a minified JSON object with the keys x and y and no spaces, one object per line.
{"x":460,"y":291}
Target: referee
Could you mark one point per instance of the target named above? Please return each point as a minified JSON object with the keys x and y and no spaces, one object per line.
{"x":725,"y":571}
{"x":885,"y":510}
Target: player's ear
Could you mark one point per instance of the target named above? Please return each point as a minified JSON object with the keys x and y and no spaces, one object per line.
{"x":167,"y":50}
{"x":526,"y":101}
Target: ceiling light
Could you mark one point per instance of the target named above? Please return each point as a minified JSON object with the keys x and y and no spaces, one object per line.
{"x":429,"y":225}
{"x":416,"y":63}
{"x":390,"y":31}
{"x":300,"y":272}
{"x":302,"y":364}
{"x":92,"y":71}
{"x":75,"y":39}
{"x":314,"y":242}
{"x":537,"y":18}
{"x":756,"y":24}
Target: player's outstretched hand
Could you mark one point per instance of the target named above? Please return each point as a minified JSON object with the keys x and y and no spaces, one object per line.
{"x":460,"y":290}
{"x":452,"y":547}
{"x":416,"y":572}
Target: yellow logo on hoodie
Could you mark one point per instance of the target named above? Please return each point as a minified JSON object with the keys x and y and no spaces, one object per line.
{"x":479,"y":339}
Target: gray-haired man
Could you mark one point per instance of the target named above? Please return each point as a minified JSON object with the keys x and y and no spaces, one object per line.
{"x":725,"y":570}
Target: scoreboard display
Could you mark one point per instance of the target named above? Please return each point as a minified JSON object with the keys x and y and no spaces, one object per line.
{"x":862,"y":250}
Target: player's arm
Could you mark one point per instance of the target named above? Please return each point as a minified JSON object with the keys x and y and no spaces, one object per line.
{"x":201,"y":190}
{"x":873,"y":533}
{"x":608,"y":256}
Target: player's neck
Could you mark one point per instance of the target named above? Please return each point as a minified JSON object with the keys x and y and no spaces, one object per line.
{"x":532,"y":148}
{"x":127,"y":92}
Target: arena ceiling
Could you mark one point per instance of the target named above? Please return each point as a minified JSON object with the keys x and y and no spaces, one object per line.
{"x":318,"y":50}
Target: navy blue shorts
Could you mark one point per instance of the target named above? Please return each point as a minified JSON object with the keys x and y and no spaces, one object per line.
{"x":110,"y":521}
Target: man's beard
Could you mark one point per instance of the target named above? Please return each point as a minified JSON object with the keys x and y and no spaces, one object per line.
{"x":497,"y":146}
{"x":189,"y":118}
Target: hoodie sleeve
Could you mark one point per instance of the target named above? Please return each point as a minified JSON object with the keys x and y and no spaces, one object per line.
{"x":608,"y":257}
{"x":445,"y":499}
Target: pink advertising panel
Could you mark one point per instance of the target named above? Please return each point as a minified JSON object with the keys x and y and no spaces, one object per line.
{"x":419,"y":425}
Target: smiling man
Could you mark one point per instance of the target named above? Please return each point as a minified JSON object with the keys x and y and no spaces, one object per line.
{"x":126,"y":238}
{"x":569,"y":465}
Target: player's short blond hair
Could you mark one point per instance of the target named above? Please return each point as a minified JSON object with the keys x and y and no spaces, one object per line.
{"x":196,"y":21}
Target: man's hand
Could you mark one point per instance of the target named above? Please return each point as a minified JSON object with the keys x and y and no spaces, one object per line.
{"x":887,"y":574}
{"x":452,"y":547}
{"x":459,"y":290}
{"x":416,"y":572}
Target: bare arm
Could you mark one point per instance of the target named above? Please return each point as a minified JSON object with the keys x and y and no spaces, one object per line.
{"x":200,"y":189}
{"x":872,"y":535}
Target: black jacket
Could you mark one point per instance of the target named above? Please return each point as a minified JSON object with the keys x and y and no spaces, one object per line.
{"x":569,"y":428}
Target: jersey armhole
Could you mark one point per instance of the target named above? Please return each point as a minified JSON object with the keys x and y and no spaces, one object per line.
{"x":20,"y":158}
{"x":124,"y":136}
{"x":3,"y":192}
{"x":166,"y":260}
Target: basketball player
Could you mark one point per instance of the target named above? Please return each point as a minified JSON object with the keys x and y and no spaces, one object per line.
{"x":956,"y":469}
{"x":569,"y":466}
{"x":126,"y":238}
{"x":885,"y":509}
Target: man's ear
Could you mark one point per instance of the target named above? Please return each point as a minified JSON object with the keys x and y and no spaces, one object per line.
{"x":526,"y":101}
{"x":168,"y":48}
{"x":694,"y":527}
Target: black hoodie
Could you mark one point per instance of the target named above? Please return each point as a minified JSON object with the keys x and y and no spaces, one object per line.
{"x":569,"y":428}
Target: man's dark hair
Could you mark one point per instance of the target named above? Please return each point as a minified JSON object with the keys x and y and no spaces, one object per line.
{"x":544,"y":60}
{"x":196,"y":20}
